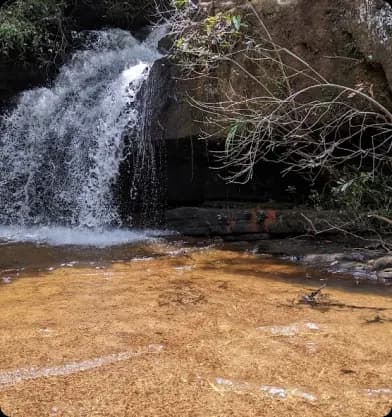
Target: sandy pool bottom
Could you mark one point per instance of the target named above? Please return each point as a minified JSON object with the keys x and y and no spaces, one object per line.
{"x":205,"y":333}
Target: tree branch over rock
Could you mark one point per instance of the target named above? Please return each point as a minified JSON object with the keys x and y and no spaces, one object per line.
{"x":291,"y":114}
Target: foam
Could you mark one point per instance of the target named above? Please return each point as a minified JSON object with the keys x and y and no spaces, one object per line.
{"x":63,"y":236}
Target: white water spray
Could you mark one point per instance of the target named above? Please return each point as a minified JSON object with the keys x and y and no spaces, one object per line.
{"x":61,"y":148}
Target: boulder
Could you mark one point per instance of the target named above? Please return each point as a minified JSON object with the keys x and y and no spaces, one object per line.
{"x":382,"y":263}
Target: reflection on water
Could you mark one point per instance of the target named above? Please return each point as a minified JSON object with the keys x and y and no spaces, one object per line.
{"x":37,"y":249}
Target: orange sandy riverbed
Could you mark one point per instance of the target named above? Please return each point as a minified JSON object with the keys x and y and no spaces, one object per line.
{"x":201,"y":333}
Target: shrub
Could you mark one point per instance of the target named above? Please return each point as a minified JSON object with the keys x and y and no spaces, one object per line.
{"x":31,"y":30}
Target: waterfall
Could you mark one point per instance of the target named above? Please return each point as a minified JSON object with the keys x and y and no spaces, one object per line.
{"x":62,"y":146}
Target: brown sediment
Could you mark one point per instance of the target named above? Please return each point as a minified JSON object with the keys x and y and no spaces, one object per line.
{"x":203,"y":333}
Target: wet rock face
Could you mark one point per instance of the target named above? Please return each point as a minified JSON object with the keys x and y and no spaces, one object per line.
{"x":371,"y":28}
{"x":348,"y":41}
{"x":245,"y":222}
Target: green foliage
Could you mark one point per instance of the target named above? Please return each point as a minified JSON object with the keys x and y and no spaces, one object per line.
{"x":210,"y":38}
{"x":235,"y":131}
{"x":357,"y":192}
{"x":181,"y":4}
{"x":29,"y":29}
{"x":236,"y":20}
{"x":222,"y":30}
{"x":363,"y":192}
{"x":38,"y":31}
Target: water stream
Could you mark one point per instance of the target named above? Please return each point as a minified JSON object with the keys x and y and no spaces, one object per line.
{"x":186,"y":326}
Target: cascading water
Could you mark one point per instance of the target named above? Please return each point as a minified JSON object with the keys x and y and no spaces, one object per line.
{"x":62,"y":147}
